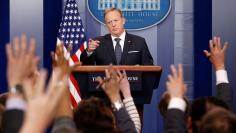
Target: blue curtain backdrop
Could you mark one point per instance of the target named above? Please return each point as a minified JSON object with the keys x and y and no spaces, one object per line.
{"x":52,"y":10}
{"x":202,"y":35}
{"x":4,"y":38}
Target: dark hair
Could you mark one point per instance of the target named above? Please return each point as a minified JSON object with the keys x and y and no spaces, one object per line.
{"x":92,"y":115}
{"x":218,"y":120}
{"x":201,"y":106}
{"x":3,"y":98}
{"x":112,"y":9}
{"x":2,"y":109}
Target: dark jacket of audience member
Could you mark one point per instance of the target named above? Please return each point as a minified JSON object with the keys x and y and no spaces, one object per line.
{"x":224,"y":92}
{"x":12,"y":120}
{"x":175,"y":121}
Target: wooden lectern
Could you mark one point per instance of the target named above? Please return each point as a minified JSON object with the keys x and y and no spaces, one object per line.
{"x":143,"y":80}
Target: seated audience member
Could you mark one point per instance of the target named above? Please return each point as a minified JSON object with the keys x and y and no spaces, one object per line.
{"x":218,"y":120}
{"x":63,"y":116}
{"x":217,"y":56}
{"x":111,"y":86}
{"x":27,"y":99}
{"x":175,"y":118}
{"x":20,"y":63}
{"x":224,"y":92}
{"x":128,"y":100}
{"x":163,"y":106}
{"x":92,"y":115}
{"x":43,"y":103}
{"x":201,"y":106}
{"x":63,"y":122}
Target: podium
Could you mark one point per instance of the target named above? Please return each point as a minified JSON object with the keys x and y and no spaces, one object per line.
{"x":143,"y":80}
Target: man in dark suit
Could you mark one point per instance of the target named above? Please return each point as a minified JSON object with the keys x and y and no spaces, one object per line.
{"x":118,"y":47}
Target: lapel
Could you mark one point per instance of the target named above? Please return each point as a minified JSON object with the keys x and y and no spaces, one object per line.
{"x":110,"y":49}
{"x":127,"y":45}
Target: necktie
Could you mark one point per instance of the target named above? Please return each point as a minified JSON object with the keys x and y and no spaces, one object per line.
{"x":118,"y":51}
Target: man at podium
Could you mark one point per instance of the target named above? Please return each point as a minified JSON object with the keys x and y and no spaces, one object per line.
{"x":118,"y":47}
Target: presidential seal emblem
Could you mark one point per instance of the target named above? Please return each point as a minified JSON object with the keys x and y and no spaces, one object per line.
{"x":139,"y":14}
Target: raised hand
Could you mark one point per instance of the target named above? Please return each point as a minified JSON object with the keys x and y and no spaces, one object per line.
{"x":59,"y":60}
{"x":22,"y":61}
{"x":175,"y":84}
{"x":217,"y":53}
{"x":124,"y":84}
{"x":43,"y":102}
{"x":110,"y":84}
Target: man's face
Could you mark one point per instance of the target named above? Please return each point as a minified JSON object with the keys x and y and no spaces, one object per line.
{"x":115,"y":23}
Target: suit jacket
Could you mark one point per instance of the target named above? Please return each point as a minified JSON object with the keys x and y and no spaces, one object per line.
{"x":12,"y":120}
{"x":135,"y":52}
{"x":225,"y":92}
{"x":174,"y":121}
{"x":124,"y":122}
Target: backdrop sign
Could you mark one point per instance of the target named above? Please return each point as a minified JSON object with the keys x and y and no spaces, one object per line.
{"x":139,"y":14}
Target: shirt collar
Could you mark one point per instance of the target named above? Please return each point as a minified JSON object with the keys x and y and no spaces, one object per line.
{"x":122,"y":36}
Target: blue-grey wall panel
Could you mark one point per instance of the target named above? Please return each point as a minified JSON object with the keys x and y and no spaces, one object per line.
{"x":223,"y":25}
{"x":26,"y":16}
{"x":153,"y":122}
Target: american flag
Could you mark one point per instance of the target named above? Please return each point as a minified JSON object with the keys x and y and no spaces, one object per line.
{"x":71,"y":32}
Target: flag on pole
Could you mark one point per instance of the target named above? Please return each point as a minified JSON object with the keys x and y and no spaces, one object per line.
{"x":71,"y":32}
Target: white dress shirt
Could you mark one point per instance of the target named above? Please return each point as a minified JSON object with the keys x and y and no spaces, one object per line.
{"x":221,"y":77}
{"x":179,"y":103}
{"x":122,"y":41}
